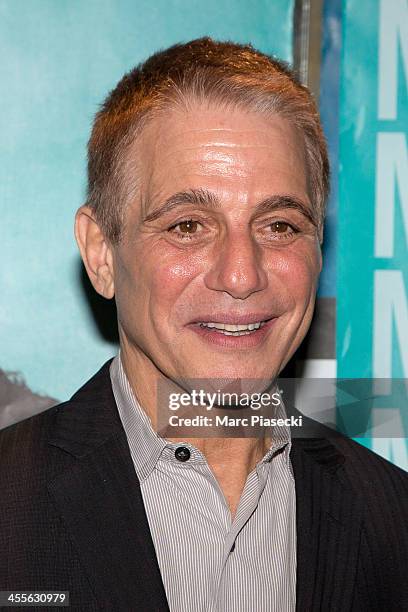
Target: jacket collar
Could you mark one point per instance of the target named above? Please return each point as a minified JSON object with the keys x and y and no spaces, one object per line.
{"x":89,"y":418}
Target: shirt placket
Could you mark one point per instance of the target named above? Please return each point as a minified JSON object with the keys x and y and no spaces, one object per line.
{"x":248,"y":503}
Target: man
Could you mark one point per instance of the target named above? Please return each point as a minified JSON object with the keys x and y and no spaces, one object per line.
{"x":208,"y":175}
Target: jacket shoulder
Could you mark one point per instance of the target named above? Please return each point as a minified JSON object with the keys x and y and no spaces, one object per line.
{"x":360,"y":463}
{"x":381,"y":485}
{"x":25,"y":442}
{"x":368,"y":465}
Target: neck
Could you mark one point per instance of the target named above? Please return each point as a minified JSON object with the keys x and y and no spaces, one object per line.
{"x":230,"y":459}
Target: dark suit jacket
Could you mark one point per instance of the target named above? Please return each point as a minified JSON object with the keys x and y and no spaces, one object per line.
{"x":72,"y":516}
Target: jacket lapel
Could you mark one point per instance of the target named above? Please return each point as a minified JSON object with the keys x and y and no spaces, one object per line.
{"x":99,"y":498}
{"x":329,"y":518}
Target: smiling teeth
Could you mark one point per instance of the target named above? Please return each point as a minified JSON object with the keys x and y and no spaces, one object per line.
{"x":234,"y":330}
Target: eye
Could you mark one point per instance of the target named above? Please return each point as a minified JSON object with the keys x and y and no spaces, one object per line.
{"x":185,"y":229}
{"x":282,"y":229}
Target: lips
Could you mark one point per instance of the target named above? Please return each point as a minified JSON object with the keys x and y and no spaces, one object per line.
{"x":233,"y":331}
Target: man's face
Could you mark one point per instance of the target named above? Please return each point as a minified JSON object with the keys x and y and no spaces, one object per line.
{"x":221,"y":234}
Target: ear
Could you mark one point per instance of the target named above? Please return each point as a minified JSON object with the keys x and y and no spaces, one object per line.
{"x":95,"y":252}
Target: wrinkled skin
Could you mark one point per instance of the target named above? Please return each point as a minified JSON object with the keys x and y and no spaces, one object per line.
{"x":231,"y":259}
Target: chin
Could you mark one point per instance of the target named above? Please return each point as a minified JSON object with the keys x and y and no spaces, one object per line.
{"x":232,"y":372}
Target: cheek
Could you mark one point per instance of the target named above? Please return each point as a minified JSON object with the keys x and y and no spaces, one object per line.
{"x":306,"y":271}
{"x":297,"y":271}
{"x":170,"y":279}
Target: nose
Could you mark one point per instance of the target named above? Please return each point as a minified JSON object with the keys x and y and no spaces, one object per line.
{"x":237,"y":267}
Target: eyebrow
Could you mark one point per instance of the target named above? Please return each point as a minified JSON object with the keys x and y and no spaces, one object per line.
{"x":279,"y":201}
{"x":206,"y":199}
{"x":197,"y":197}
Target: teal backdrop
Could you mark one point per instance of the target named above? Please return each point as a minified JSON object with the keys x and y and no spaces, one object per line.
{"x":372,"y":265}
{"x":59,"y":59}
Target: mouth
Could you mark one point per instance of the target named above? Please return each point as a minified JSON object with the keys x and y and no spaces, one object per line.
{"x":228,"y":329}
{"x":233,"y":331}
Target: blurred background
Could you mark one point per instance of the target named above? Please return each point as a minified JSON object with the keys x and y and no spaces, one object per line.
{"x":59,"y":59}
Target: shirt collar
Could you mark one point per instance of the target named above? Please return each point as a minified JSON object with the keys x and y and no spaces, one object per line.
{"x":146,"y":446}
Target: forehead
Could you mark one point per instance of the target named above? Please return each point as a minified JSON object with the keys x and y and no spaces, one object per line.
{"x":244,"y":155}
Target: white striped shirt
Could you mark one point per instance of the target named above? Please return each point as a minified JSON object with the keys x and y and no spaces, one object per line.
{"x":208,"y":562}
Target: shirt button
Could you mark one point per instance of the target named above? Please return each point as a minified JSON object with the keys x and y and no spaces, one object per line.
{"x":182,"y":453}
